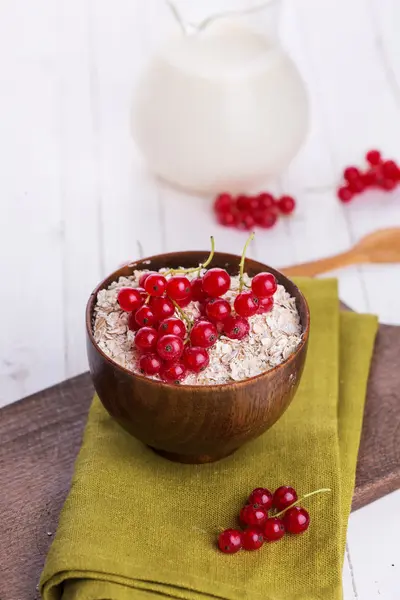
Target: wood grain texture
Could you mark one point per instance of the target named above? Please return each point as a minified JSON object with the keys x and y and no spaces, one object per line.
{"x":40,"y":437}
{"x":185,"y":423}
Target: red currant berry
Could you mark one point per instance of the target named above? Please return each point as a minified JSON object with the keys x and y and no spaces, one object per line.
{"x":129,"y":299}
{"x":266,"y":201}
{"x":146,"y":339}
{"x":198,"y":294}
{"x":369,"y":178}
{"x":196,"y":359}
{"x":227,"y":219}
{"x":144,"y":277}
{"x":178,"y":287}
{"x":150,"y":364}
{"x":261,"y":496}
{"x":162,"y":307}
{"x":246,"y":304}
{"x":391,"y":170}
{"x":265,"y":305}
{"x":132,"y":324}
{"x":230,"y":541}
{"x":142,"y":292}
{"x":265,"y":218}
{"x":284,"y":497}
{"x":253,"y":514}
{"x":247,"y":203}
{"x":184,"y":301}
{"x":296,"y":519}
{"x":218,"y":309}
{"x":351,"y":173}
{"x":253,"y":539}
{"x":172,"y":326}
{"x":356,"y":185}
{"x":155,"y":284}
{"x":170,"y":347}
{"x":373,"y":157}
{"x":264,"y":285}
{"x":216,"y":282}
{"x":145,"y":316}
{"x":244,"y":220}
{"x":345,"y":194}
{"x":236,"y":328}
{"x":203,"y":334}
{"x":388,"y":184}
{"x":223,"y":203}
{"x":273,"y":529}
{"x":173,"y":373}
{"x":286,"y":205}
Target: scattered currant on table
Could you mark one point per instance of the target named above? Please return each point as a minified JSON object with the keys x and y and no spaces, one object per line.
{"x":378,"y":173}
{"x":261,"y":527}
{"x":172,"y":344}
{"x":244,"y":211}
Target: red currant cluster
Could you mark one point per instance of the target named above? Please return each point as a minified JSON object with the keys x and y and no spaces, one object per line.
{"x":169,"y":342}
{"x":259,"y":526}
{"x":245,"y":212}
{"x":380,"y":173}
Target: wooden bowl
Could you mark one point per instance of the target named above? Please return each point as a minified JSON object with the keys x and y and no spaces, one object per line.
{"x":196,"y":424}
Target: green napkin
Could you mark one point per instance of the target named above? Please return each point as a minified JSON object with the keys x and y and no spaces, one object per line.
{"x":137,"y":527}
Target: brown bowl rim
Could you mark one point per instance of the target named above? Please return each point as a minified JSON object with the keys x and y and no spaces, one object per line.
{"x":216,"y":386}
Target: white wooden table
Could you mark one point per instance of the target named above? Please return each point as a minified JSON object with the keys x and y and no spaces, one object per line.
{"x":76,"y":201}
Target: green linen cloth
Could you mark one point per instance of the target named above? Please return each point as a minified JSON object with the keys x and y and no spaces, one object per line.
{"x":138,"y":527}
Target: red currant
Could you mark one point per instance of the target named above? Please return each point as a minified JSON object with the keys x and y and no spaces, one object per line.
{"x":132,"y":324}
{"x":391,"y":170}
{"x":265,"y":305}
{"x":388,"y":184}
{"x":144,"y":277}
{"x":129,"y":299}
{"x":266,"y":201}
{"x":170,"y":347}
{"x":244,"y":220}
{"x":226,"y":219}
{"x":284,"y":497}
{"x":345,"y":194}
{"x":253,"y":539}
{"x":351,"y":174}
{"x":246,"y":304}
{"x":253,"y":514}
{"x":150,"y":364}
{"x":373,"y":157}
{"x":223,"y":203}
{"x":218,"y":309}
{"x":173,"y":373}
{"x":296,"y":519}
{"x":203,"y":334}
{"x":261,"y":496}
{"x":142,"y":292}
{"x":356,"y":185}
{"x":155,"y":284}
{"x":196,"y":359}
{"x":146,"y":339}
{"x":145,"y":316}
{"x":273,"y":529}
{"x":264,"y":285}
{"x":247,"y":203}
{"x":236,"y":328}
{"x":162,"y":307}
{"x":198,"y":294}
{"x":369,"y":178}
{"x":178,"y":287}
{"x":286,"y":205}
{"x":184,"y":301}
{"x":216,"y":282}
{"x":230,"y":541}
{"x":265,"y":218}
{"x":172,"y":326}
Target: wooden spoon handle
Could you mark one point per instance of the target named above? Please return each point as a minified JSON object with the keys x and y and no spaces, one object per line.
{"x":316,"y":267}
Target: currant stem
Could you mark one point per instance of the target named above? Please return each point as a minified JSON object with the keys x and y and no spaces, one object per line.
{"x":321,"y":491}
{"x":182,"y":313}
{"x":199,"y":268}
{"x":241,"y":264}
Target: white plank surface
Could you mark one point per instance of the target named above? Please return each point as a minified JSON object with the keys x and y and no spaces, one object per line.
{"x":76,"y":201}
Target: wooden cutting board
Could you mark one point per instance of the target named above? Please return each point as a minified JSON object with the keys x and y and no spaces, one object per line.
{"x":40,"y":437}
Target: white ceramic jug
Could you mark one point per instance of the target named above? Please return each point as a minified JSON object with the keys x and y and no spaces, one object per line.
{"x":221,"y":106}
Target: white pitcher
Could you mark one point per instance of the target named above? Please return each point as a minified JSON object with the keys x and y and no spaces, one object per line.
{"x":221,"y":107}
